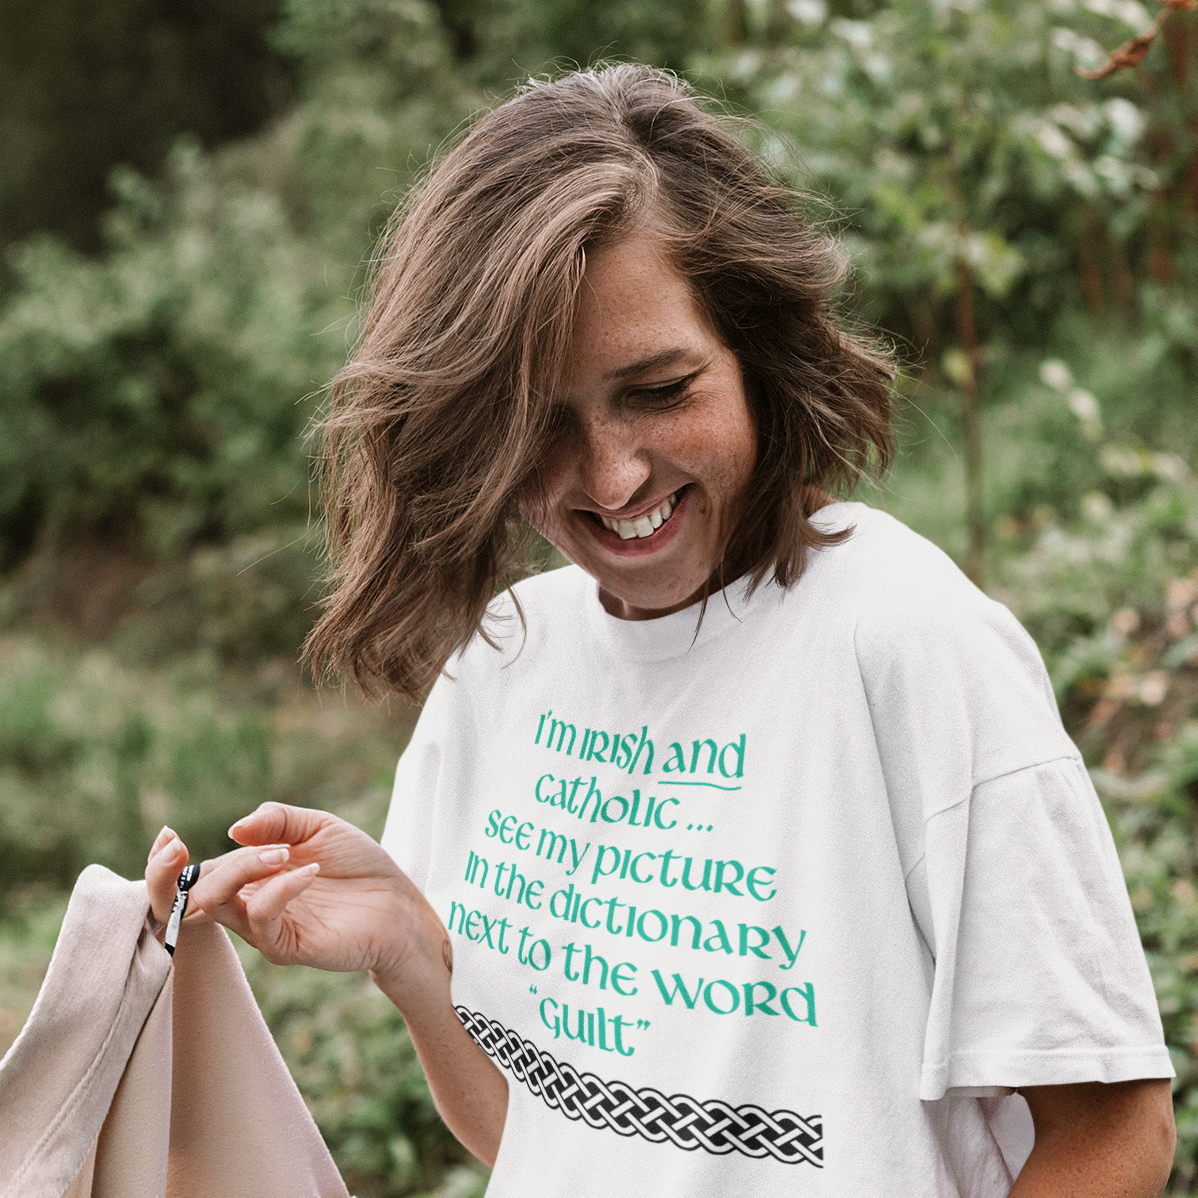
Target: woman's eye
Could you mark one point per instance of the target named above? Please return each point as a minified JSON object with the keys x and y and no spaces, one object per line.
{"x":665,"y":395}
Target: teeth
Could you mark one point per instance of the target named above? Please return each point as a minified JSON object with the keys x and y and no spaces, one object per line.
{"x":645,"y":525}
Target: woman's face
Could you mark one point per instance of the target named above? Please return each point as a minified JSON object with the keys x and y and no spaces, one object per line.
{"x":650,"y":473}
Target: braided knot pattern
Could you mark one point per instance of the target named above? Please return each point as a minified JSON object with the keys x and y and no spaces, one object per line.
{"x":687,"y":1123}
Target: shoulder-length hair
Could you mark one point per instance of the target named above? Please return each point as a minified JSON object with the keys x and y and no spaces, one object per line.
{"x":438,"y":423}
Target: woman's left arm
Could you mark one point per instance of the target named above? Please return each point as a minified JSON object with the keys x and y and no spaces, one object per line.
{"x":1099,"y":1141}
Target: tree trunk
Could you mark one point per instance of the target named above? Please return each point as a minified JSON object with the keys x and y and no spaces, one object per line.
{"x":1090,"y":251}
{"x":736,"y":23}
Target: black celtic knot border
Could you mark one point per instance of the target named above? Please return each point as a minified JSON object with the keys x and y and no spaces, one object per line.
{"x":686,"y":1122}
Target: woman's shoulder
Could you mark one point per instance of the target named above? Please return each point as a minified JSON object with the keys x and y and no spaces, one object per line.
{"x":881,"y":554}
{"x":905,"y":597}
{"x":524,"y":614}
{"x":884,"y":571}
{"x":543,"y":596}
{"x":943,"y":661}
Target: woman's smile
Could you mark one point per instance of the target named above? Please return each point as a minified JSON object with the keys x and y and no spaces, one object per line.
{"x":657,"y":445}
{"x":640,"y":533}
{"x":643,"y":525}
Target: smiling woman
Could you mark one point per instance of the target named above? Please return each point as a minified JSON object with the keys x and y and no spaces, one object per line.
{"x":655,"y":445}
{"x":749,"y":718}
{"x":463,"y":387}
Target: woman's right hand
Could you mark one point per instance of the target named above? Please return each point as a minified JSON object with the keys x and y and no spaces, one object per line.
{"x":311,"y":889}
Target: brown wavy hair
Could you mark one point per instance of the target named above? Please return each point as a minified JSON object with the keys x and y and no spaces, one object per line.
{"x":438,"y":423}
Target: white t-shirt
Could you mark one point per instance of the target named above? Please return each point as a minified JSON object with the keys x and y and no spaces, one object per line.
{"x":785,"y":905}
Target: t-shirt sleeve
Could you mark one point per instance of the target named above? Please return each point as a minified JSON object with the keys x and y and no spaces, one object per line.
{"x":425,"y":780}
{"x":442,"y":761}
{"x":1037,"y":973}
{"x":1039,"y":978}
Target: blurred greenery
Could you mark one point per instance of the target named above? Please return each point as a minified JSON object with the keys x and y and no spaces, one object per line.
{"x":85,"y":84}
{"x":1020,"y":232}
{"x":123,"y":749}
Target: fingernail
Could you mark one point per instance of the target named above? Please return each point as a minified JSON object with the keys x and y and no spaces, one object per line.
{"x":273,"y":856}
{"x":314,"y":868}
{"x":171,"y":848}
{"x":167,"y":831}
{"x":233,"y":828}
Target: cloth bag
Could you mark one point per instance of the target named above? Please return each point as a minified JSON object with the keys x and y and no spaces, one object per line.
{"x":137,"y":1076}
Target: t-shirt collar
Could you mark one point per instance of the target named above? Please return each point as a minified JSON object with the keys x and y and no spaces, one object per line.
{"x":681,"y":632}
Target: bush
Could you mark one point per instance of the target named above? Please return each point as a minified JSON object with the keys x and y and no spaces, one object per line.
{"x":153,"y":397}
{"x":95,"y":755}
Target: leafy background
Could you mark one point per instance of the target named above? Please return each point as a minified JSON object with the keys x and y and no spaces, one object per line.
{"x":190,"y":197}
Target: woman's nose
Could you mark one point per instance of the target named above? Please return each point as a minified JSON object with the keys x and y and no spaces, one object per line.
{"x":614,"y":464}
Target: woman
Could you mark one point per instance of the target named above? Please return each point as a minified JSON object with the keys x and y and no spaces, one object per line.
{"x":752,"y":843}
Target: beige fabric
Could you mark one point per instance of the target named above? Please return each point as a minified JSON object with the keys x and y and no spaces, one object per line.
{"x":134,"y":1078}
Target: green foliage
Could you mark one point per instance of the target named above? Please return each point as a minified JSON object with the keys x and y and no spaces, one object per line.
{"x":517,"y":38}
{"x":251,"y":596}
{"x":154,"y":395}
{"x":960,"y":132}
{"x":88,"y":84}
{"x":96,"y":755}
{"x":27,"y":937}
{"x":381,"y":93}
{"x":1074,"y":418}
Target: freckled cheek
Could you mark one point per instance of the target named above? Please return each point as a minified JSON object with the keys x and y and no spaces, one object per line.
{"x":559,"y":474}
{"x":722,"y":471}
{"x":742,"y":460}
